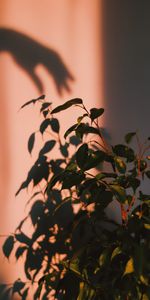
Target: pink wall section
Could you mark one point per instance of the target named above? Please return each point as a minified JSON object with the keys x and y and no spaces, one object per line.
{"x":73,"y":29}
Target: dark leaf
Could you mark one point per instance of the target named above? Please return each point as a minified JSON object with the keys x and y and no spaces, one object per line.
{"x":120,"y":165}
{"x":37,"y":211}
{"x":85,"y":129}
{"x":31,"y":142}
{"x":54,"y":123}
{"x":124,"y":151}
{"x":20,"y":251}
{"x":23,"y":238}
{"x":70,"y":179}
{"x":38,"y":292}
{"x":33,"y":101}
{"x":45,"y":105}
{"x":82,"y":155}
{"x":95,"y":113}
{"x":72,"y":128}
{"x":45,"y":113}
{"x":74,"y":140}
{"x":25,"y":294}
{"x":64,"y":149}
{"x":47,"y":147}
{"x":94,"y":159}
{"x":23,"y":186}
{"x":18,"y":286}
{"x":54,"y":180}
{"x":129,"y":136}
{"x":66,"y":105}
{"x":44,"y":125}
{"x":133,"y":182}
{"x":8,"y":246}
{"x":119,"y":192}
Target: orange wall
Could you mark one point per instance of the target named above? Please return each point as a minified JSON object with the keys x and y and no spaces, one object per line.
{"x":73,"y":29}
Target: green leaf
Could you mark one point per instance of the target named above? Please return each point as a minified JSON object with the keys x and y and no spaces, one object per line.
{"x":66,"y":105}
{"x":95,"y":113}
{"x":8,"y":246}
{"x":31,"y":142}
{"x":120,"y":165}
{"x":124,"y":151}
{"x":33,"y":101}
{"x":129,"y":136}
{"x":119,"y":191}
{"x":81,"y":118}
{"x":94,"y":159}
{"x":85,"y":129}
{"x":82,"y":156}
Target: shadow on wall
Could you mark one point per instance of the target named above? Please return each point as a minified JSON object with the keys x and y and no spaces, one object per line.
{"x":126,"y":50}
{"x":28,"y":54}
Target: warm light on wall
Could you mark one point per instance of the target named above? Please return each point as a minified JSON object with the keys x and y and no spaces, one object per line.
{"x":73,"y":29}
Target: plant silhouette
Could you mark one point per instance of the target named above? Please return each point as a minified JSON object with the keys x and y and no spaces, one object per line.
{"x":83,"y":255}
{"x":28,"y":54}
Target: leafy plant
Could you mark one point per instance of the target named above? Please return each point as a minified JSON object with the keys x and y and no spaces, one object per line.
{"x":84,"y":255}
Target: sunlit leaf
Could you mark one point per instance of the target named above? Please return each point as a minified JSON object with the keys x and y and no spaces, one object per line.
{"x":120,"y":164}
{"x":116,"y":252}
{"x":129,"y":268}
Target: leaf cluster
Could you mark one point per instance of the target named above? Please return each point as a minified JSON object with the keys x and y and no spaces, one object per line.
{"x":84,"y":255}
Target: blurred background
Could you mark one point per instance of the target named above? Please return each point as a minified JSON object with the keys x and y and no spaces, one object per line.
{"x":97,"y":50}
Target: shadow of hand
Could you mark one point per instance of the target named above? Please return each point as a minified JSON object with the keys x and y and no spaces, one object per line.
{"x":28,"y":54}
